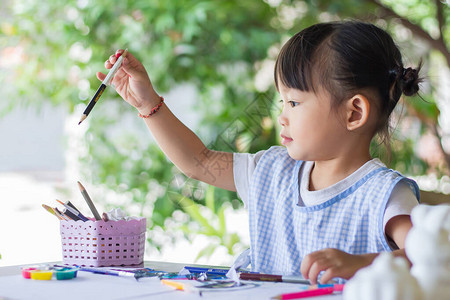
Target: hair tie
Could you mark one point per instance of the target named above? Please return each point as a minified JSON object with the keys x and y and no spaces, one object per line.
{"x":396,"y":74}
{"x":393,"y":73}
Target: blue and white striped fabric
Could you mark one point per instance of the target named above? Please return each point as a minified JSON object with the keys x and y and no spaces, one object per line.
{"x":282,"y":232}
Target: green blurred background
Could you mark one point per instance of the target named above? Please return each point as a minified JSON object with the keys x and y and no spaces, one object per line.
{"x":224,"y":51}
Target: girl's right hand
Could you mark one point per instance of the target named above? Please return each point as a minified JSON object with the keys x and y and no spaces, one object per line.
{"x":132,"y":83}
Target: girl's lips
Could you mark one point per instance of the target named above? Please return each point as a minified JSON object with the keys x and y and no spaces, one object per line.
{"x":285,"y":140}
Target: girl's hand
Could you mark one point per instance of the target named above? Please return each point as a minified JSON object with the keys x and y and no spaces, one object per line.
{"x":335,"y":263}
{"x":132,"y":82}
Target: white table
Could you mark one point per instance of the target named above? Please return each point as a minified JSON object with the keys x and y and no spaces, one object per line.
{"x":95,"y":286}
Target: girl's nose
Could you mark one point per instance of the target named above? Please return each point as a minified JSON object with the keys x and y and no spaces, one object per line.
{"x":282,"y":120}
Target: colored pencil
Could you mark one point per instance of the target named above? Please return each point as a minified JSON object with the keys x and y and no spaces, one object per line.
{"x":305,"y":294}
{"x":52,"y":211}
{"x":181,"y":286}
{"x":89,"y":202}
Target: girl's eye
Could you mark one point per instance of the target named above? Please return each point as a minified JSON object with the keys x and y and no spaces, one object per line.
{"x":293,"y":103}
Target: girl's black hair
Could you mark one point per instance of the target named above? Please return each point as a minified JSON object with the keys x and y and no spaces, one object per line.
{"x":348,"y":58}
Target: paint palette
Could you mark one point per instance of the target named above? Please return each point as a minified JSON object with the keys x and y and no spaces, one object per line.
{"x":46,"y":273}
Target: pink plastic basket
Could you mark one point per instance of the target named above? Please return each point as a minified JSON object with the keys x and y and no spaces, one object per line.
{"x":100,"y":243}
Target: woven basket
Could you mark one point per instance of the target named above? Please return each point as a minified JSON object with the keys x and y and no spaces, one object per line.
{"x":100,"y":243}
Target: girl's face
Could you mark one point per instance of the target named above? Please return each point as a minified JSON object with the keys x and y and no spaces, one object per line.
{"x":310,"y":130}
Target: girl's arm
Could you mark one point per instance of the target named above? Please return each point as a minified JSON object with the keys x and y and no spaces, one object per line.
{"x":337,"y":263}
{"x":177,"y":141}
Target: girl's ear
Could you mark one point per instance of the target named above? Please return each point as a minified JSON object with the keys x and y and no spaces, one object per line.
{"x":357,"y":112}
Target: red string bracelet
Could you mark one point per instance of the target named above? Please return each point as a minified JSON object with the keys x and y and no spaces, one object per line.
{"x":154,"y":109}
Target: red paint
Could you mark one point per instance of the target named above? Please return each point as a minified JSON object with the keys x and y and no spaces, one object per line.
{"x":26,"y":273}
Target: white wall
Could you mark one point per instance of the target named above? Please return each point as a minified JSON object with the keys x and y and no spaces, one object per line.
{"x":32,"y":139}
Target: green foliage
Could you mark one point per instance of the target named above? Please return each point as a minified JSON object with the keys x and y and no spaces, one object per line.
{"x":401,"y":155}
{"x":426,"y":105}
{"x":211,"y":221}
{"x":214,"y":45}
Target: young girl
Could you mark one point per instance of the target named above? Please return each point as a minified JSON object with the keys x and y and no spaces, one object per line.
{"x":321,"y":204}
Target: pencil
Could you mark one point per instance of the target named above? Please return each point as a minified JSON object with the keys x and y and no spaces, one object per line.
{"x":305,"y":294}
{"x":103,"y":86}
{"x":181,"y":286}
{"x":52,"y":211}
{"x":89,"y":202}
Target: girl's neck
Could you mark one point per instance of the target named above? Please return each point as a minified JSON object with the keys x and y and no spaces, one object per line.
{"x":326,"y":173}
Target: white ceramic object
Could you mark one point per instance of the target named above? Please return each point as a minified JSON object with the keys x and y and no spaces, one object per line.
{"x":428,"y":249}
{"x":387,"y":278}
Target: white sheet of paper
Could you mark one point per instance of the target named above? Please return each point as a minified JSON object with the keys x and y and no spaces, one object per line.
{"x":95,"y":286}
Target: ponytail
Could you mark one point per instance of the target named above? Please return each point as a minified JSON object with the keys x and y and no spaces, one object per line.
{"x":410,"y":81}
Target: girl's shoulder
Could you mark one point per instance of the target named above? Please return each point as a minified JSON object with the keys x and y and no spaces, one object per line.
{"x":276,"y":152}
{"x":390,"y":178}
{"x":276,"y":157}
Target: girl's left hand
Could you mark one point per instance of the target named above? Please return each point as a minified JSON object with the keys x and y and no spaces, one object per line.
{"x":335,"y":263}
